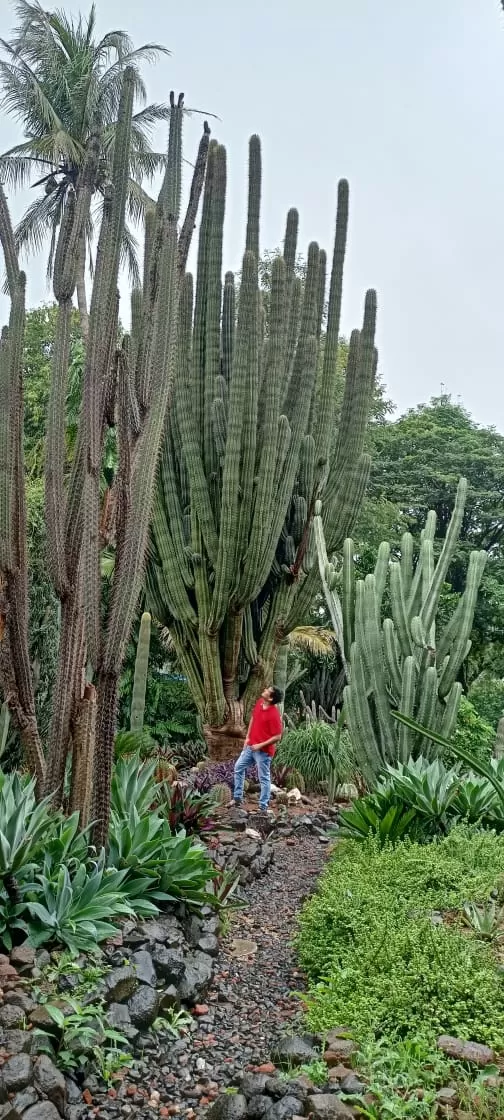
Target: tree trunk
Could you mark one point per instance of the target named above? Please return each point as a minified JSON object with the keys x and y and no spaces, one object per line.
{"x":226,"y":742}
{"x":81,"y":289}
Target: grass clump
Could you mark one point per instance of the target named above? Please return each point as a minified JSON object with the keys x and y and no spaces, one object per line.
{"x":376,"y":951}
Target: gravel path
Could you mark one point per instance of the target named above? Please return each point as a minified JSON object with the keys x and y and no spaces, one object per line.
{"x":248,"y":1007}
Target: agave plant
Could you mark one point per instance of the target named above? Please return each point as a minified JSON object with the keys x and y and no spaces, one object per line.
{"x":76,"y":911}
{"x":24,"y":825}
{"x":133,"y":783}
{"x":372,"y":816}
{"x":426,"y":787}
{"x":485,"y":919}
{"x":187,"y":872}
{"x":493,"y":772}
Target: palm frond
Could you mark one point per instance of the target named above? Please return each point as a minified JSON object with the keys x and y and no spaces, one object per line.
{"x":137,"y":201}
{"x":313,"y":639}
{"x":129,"y":257}
{"x":36,"y":223}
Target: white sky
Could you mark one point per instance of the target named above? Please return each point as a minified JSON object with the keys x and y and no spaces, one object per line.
{"x":404,"y":99}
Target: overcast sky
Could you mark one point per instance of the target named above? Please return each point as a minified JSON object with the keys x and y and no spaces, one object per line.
{"x":407,"y":101}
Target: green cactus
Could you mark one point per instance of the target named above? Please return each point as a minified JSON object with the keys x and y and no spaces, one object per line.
{"x":400,"y":662}
{"x":141,"y":670}
{"x":125,"y":384}
{"x":248,"y":447}
{"x":221,"y":794}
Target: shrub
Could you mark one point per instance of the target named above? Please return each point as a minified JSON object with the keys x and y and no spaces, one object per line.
{"x":486,"y":695}
{"x":376,"y":959}
{"x":472,"y":733}
{"x":317,"y":751}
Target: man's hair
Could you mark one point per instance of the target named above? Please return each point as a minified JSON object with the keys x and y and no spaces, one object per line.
{"x":276,"y":695}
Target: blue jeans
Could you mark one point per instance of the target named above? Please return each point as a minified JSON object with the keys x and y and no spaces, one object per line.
{"x":263,"y":763}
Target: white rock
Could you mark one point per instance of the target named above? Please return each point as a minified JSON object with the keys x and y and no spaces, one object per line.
{"x":294,"y":795}
{"x":253,"y":834}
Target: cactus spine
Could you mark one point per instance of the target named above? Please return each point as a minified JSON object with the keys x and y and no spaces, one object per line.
{"x":140,"y":678}
{"x":125,"y":385}
{"x":399,"y":661}
{"x":248,"y":447}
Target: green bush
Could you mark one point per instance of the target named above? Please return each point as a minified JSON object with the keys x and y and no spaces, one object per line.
{"x":472,"y":733}
{"x":376,"y":957}
{"x":486,"y":695}
{"x":318,"y":752}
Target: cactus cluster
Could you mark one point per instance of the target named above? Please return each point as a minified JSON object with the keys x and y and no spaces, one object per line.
{"x":126,"y":384}
{"x":397,"y":659}
{"x":249,"y":444}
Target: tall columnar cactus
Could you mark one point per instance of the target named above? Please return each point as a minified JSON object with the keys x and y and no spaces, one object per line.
{"x":398,"y":660}
{"x":140,"y":677}
{"x":127,"y":384}
{"x":249,"y":446}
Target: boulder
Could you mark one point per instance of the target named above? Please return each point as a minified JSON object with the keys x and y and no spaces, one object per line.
{"x":253,"y":1084}
{"x":474,"y":1052}
{"x":50,"y":1081}
{"x":294,"y":1051}
{"x":17,"y":1073}
{"x":198,"y":974}
{"x":16,"y":1042}
{"x":143,"y":1006}
{"x":144,"y":968}
{"x":285,"y":1108}
{"x":327,"y":1106}
{"x":120,"y":984}
{"x":23,"y":957}
{"x":229,"y":1106}
{"x":44,"y":1110}
{"x":168,"y":963}
{"x":258,"y":1106}
{"x":11,"y":1017}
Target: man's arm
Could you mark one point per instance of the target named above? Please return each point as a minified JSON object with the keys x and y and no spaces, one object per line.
{"x":249,"y":729}
{"x":267,"y":743}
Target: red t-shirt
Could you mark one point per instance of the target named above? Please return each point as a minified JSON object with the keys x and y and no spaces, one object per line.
{"x":266,"y":723}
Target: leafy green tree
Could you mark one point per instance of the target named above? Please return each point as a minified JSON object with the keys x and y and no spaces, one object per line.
{"x":417,"y":461}
{"x":37,"y":358}
{"x":56,"y":78}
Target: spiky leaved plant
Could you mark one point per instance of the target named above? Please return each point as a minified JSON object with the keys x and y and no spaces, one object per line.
{"x":127,"y":385}
{"x":251,"y":440}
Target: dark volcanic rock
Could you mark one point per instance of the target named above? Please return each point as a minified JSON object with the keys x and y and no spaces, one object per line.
{"x":50,"y":1081}
{"x":229,"y":1106}
{"x":294,"y":1050}
{"x":169,"y":964}
{"x":258,"y":1107}
{"x":285,"y":1108}
{"x":143,"y":1006}
{"x":11,"y":1017}
{"x":44,"y":1110}
{"x":198,"y":973}
{"x":120,"y":984}
{"x":142,"y":964}
{"x":17,"y":1073}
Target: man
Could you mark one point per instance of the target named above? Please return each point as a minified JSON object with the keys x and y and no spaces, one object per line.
{"x":264,"y":732}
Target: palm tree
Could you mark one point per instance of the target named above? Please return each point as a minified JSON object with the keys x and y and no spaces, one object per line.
{"x":60,"y":82}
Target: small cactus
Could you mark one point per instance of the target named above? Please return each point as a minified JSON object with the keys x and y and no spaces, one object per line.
{"x":295,"y":780}
{"x":222,"y":794}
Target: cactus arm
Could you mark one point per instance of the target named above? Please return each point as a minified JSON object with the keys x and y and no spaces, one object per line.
{"x":141,"y":672}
